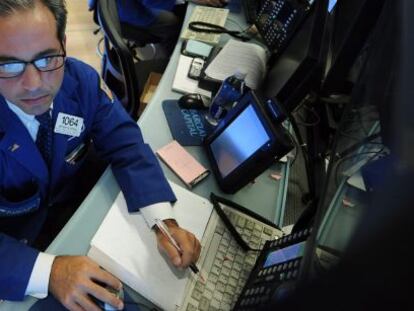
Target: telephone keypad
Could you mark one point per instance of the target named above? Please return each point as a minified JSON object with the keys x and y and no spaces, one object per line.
{"x":265,"y":280}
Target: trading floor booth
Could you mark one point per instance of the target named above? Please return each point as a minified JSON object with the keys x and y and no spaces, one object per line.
{"x":347,"y":192}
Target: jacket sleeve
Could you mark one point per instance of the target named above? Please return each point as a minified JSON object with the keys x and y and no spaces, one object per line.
{"x":118,"y":140}
{"x":16,"y":264}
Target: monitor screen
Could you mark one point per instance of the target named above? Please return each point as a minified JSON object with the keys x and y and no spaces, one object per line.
{"x":240,"y":140}
{"x":245,"y":143}
{"x":285,"y":254}
{"x":298,"y":69}
{"x":350,"y":24}
{"x":331,"y":5}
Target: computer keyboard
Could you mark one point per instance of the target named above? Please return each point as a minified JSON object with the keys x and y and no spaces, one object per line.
{"x":226,"y":266}
{"x":216,"y":16}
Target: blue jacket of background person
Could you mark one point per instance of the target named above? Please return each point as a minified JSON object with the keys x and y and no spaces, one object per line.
{"x":25,"y":182}
{"x":142,"y":13}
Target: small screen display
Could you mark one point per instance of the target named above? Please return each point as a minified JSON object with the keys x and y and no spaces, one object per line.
{"x":331,"y":5}
{"x":285,"y":254}
{"x":240,"y":140}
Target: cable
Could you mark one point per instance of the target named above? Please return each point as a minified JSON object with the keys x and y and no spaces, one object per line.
{"x":297,"y":148}
{"x":212,"y":28}
{"x":304,"y":151}
{"x":316,"y":115}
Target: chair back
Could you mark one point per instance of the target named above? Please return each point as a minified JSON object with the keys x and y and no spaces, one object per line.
{"x":118,"y":68}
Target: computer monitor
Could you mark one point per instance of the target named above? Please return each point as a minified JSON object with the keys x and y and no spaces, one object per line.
{"x":349,"y":24}
{"x":374,"y":270}
{"x":298,"y":69}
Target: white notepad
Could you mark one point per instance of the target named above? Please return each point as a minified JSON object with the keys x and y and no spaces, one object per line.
{"x":125,"y":246}
{"x":249,"y":58}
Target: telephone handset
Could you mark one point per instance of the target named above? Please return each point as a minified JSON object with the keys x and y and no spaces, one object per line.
{"x":276,"y":271}
{"x":278,"y":20}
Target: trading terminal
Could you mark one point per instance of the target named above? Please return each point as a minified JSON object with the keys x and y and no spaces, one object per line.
{"x":311,"y":202}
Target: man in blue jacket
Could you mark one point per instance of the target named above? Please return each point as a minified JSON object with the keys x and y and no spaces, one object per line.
{"x":160,"y":18}
{"x":37,"y":83}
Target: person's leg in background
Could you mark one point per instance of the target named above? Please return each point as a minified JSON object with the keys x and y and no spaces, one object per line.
{"x":167,"y":27}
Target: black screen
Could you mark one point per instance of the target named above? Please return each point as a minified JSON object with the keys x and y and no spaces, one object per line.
{"x":298,"y":70}
{"x":239,"y":141}
{"x":349,"y":24}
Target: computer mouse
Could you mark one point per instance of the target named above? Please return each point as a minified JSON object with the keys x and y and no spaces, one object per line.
{"x":107,"y":306}
{"x":194,"y":101}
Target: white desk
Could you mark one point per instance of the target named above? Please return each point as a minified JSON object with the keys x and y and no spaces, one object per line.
{"x":266,"y":196}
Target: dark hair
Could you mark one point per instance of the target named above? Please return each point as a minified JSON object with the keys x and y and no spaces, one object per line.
{"x":57,"y":7}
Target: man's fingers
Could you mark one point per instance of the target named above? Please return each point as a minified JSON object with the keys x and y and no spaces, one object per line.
{"x":86,"y":303}
{"x":106,"y":278}
{"x":188,"y":243}
{"x":104,"y":295}
{"x":74,"y":307}
{"x":73,"y":278}
{"x":190,"y":247}
{"x":169,"y":249}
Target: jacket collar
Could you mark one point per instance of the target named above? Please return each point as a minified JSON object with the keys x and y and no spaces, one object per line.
{"x":15,"y":140}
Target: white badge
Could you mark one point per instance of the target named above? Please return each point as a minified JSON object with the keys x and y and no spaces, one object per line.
{"x":68,"y":124}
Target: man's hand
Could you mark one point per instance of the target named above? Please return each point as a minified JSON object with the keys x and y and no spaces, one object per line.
{"x":218,"y":3}
{"x":188,"y":243}
{"x":74,"y":278}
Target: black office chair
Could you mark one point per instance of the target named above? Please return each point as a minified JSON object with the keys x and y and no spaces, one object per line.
{"x":122,"y":75}
{"x":136,"y":37}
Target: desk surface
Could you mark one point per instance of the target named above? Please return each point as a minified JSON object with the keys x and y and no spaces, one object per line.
{"x":266,"y":196}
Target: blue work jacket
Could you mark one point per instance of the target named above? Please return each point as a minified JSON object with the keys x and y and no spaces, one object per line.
{"x":26,"y":184}
{"x":142,"y":13}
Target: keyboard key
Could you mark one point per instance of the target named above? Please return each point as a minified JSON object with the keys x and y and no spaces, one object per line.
{"x":258,"y":227}
{"x":241,"y":222}
{"x":204,"y":304}
{"x":214,"y":304}
{"x":221,"y":286}
{"x":210,"y":286}
{"x":227,"y":298}
{"x":230,"y":289}
{"x":267,"y":231}
{"x":237,"y":267}
{"x":208,"y":294}
{"x":226,"y":269}
{"x":215,"y":270}
{"x":222,"y":279}
{"x":225,"y":306}
{"x":218,"y":295}
{"x":199,"y":286}
{"x":250,"y":225}
{"x":191,"y":307}
{"x":234,"y":274}
{"x":220,"y":228}
{"x":232,"y":282}
{"x":196,"y":295}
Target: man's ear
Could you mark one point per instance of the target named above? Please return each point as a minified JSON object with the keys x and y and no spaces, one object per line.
{"x":64,"y":42}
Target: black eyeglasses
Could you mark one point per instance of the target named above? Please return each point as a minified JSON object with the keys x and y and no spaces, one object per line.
{"x":45,"y":63}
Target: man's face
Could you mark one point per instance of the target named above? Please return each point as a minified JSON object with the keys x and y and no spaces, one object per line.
{"x":24,"y":36}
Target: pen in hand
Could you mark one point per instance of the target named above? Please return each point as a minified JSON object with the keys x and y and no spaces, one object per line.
{"x":164,"y":230}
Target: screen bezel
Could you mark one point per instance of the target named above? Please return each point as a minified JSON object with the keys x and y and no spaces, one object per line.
{"x":276,"y":147}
